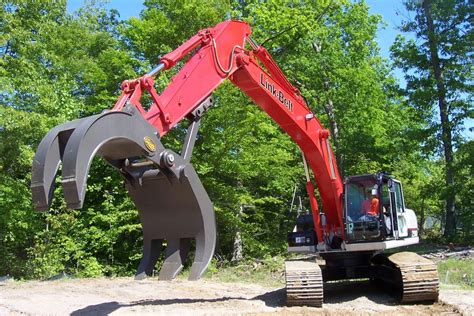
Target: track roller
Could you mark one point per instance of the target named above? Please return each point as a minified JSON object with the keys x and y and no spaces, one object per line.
{"x":304,"y":284}
{"x":419,"y":277}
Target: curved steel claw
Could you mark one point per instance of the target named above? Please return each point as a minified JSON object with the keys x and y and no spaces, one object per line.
{"x":184,"y":211}
{"x":172,"y":202}
{"x":46,"y":162}
{"x":114,"y":136}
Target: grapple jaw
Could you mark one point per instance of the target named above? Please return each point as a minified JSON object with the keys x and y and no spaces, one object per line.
{"x":172,"y":202}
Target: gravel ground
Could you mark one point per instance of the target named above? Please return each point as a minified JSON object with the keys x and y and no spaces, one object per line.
{"x":463,"y":301}
{"x":123,"y":296}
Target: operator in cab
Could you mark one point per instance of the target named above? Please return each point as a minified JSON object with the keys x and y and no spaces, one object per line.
{"x":370,"y":206}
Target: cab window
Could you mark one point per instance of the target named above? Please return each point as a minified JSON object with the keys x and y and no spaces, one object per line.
{"x":398,"y":197}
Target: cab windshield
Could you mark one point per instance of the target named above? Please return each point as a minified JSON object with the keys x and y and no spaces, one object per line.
{"x":361,"y":201}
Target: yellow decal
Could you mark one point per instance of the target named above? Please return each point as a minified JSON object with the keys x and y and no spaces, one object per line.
{"x":149,"y":144}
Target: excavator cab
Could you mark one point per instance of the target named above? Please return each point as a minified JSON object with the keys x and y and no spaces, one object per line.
{"x":374,"y":209}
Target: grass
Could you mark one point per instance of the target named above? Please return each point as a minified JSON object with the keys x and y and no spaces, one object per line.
{"x":457,"y":272}
{"x":249,"y":274}
{"x":453,"y":272}
{"x":267,"y":272}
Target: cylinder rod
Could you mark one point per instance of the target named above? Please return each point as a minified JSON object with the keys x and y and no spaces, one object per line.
{"x":156,"y":70}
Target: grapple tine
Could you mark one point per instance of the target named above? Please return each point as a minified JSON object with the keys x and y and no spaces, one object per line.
{"x":173,"y":263}
{"x":176,"y":255}
{"x":46,"y":162}
{"x":151,"y":253}
{"x":206,"y":237}
{"x":113,"y":135}
{"x":205,"y":244}
{"x":184,"y":247}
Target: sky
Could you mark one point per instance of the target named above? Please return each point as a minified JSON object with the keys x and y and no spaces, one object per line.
{"x":386,"y":8}
{"x":392,"y":12}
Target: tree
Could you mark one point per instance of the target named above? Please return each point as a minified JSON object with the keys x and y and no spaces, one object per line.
{"x":332,"y":56}
{"x":438,"y":71}
{"x":464,"y":167}
{"x":73,"y":65}
{"x":55,"y":67}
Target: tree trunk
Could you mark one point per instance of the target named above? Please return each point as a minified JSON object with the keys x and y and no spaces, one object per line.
{"x":333,"y":127}
{"x":421,"y":230}
{"x":335,"y":134}
{"x":237,"y":251}
{"x":446,"y":133}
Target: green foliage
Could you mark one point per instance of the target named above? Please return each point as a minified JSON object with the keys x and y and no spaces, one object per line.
{"x":165,"y":24}
{"x":256,"y":167}
{"x":18,"y":222}
{"x":438,"y":72}
{"x":56,"y":66}
{"x":332,"y":56}
{"x":465,"y":183}
{"x":453,"y":33}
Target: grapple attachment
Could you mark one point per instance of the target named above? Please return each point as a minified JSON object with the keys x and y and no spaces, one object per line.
{"x":172,"y":202}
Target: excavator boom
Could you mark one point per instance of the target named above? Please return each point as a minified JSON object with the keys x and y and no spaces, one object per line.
{"x":221,"y":54}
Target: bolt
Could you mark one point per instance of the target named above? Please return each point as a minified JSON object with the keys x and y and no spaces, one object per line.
{"x":170,"y":159}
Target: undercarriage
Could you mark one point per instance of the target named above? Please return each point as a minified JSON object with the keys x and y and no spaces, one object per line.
{"x":407,"y":276}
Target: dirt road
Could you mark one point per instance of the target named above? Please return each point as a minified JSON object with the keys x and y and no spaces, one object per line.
{"x":122,"y":296}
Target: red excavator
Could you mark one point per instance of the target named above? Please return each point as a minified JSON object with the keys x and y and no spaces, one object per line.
{"x":360,"y":217}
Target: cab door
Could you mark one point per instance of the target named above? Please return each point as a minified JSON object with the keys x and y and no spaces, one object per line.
{"x":398,"y":208}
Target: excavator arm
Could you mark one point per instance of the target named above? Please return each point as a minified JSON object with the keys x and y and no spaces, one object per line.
{"x":173,"y":205}
{"x":220,"y":55}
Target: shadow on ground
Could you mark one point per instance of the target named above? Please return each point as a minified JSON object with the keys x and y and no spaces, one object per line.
{"x":337,"y":292}
{"x":346,"y":291}
{"x":109,"y":307}
{"x":334,"y":293}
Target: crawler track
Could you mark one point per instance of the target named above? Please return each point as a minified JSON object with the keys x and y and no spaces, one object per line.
{"x":304,"y":284}
{"x":419,"y":277}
